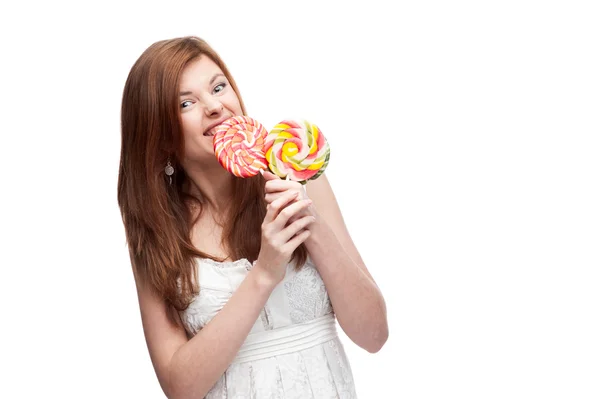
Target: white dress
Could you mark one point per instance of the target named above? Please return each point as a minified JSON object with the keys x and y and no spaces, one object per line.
{"x":293,"y":349}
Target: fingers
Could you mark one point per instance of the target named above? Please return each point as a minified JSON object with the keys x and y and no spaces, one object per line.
{"x":289,"y":212}
{"x":270,"y":197}
{"x":275,"y":207}
{"x":268,"y":175}
{"x":284,"y":228}
{"x":274,"y":186}
{"x":297,"y":240}
{"x":297,"y":227}
{"x":273,"y":191}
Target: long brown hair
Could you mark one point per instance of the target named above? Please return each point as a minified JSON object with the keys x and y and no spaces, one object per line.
{"x":157,"y":214}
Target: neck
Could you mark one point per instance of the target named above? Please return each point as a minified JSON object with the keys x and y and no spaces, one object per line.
{"x":213,"y":186}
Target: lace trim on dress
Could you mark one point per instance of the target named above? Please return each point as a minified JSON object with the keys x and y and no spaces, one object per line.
{"x":228,"y":263}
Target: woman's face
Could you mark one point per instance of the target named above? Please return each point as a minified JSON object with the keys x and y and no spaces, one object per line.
{"x":205,"y":100}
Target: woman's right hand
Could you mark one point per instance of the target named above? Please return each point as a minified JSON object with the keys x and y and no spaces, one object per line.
{"x":279,"y":240}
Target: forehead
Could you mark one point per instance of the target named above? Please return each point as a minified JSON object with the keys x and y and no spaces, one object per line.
{"x":199,"y":71}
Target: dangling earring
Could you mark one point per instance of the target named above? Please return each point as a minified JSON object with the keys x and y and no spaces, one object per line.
{"x":169,"y":170}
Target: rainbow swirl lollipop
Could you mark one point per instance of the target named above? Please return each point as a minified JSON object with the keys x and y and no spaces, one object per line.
{"x":296,"y":149}
{"x":239,"y":146}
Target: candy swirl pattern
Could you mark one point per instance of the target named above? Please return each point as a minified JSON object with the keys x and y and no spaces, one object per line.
{"x":297,"y":149}
{"x":239,"y":146}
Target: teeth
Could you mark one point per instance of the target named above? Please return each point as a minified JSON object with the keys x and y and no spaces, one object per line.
{"x":211,"y":132}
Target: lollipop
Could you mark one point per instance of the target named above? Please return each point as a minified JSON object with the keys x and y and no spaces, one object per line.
{"x":296,"y":149}
{"x":239,"y":146}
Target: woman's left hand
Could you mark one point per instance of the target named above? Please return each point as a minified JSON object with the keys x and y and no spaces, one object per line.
{"x":275,"y":187}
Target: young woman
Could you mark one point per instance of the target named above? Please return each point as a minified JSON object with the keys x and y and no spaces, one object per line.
{"x":239,"y":281}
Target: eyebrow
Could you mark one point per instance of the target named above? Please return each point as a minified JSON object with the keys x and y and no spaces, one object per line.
{"x":215,"y":78}
{"x":187,"y":93}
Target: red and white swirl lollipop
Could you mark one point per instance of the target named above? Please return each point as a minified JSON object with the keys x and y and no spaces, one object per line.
{"x":239,"y":146}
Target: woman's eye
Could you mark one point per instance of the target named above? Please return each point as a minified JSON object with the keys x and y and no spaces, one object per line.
{"x":183,"y":104}
{"x":219,"y":88}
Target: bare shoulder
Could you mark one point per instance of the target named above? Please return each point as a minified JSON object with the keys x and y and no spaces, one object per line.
{"x":163,"y":338}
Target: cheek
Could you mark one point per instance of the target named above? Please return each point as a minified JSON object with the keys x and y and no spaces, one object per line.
{"x":233,"y":103}
{"x":191,"y":126}
{"x":190,"y":122}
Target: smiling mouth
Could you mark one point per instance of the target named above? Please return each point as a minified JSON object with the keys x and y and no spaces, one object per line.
{"x":211,"y":132}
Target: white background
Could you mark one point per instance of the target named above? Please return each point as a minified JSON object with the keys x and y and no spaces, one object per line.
{"x":465,"y":158}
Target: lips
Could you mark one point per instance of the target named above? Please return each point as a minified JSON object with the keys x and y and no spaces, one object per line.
{"x":210,"y":131}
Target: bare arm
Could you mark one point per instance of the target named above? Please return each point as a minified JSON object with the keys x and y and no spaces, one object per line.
{"x":189,"y":368}
{"x":357,"y":301}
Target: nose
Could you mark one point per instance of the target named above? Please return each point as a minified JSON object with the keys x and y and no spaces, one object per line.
{"x":213,"y":107}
